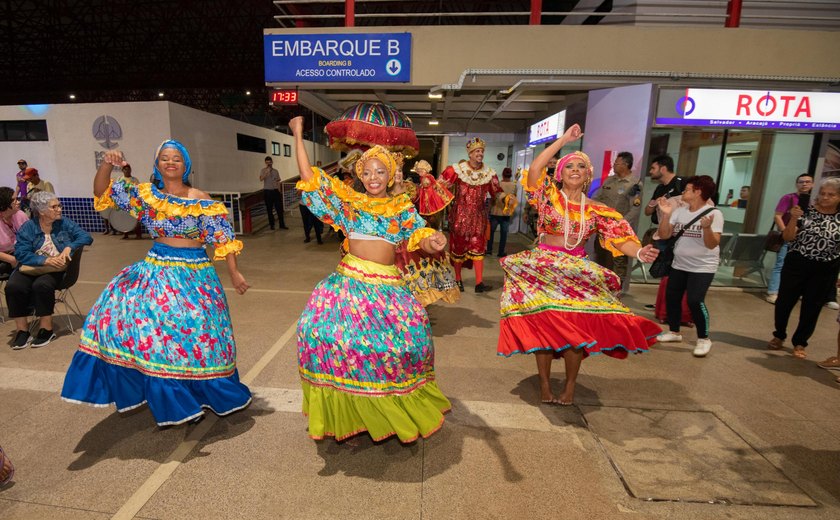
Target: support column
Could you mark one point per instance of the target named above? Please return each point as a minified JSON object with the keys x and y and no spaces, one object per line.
{"x":536,"y":12}
{"x":349,"y":13}
{"x":733,"y":13}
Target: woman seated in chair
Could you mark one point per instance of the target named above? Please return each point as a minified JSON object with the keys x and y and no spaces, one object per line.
{"x":11,"y":220}
{"x":43,"y":251}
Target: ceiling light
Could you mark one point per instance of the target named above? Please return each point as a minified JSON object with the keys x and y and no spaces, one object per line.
{"x":435,"y":95}
{"x":417,"y":112}
{"x":434,"y":122}
{"x":247,"y":92}
{"x":160,"y":94}
{"x":72,"y":96}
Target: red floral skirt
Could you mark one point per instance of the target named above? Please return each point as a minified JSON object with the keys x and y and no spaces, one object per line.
{"x":554,"y":299}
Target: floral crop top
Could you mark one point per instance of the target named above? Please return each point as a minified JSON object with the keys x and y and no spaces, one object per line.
{"x":391,"y":218}
{"x":169,"y":216}
{"x":611,"y":227}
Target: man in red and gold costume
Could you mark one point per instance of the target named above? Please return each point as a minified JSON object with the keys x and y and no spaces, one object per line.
{"x":471,"y":182}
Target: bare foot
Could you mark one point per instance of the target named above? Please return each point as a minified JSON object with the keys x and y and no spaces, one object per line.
{"x":546,"y":396}
{"x":567,"y":398}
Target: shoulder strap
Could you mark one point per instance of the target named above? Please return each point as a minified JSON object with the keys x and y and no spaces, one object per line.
{"x":695,"y":219}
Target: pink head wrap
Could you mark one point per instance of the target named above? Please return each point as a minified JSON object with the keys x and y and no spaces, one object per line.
{"x":568,"y":157}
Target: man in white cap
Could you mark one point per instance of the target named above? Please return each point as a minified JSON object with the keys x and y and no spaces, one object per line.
{"x":473,"y":183}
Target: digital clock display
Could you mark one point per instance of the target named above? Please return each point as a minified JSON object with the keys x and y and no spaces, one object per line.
{"x":284,"y":97}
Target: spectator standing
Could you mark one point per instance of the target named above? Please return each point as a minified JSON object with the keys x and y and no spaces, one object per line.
{"x":501,"y":211}
{"x":670,"y":188}
{"x":35,"y":183}
{"x":622,"y":193}
{"x":696,"y":258}
{"x":11,"y":220}
{"x":743,"y":198}
{"x":21,"y":183}
{"x":810,"y":268}
{"x":804,"y":184}
{"x":273,"y":200}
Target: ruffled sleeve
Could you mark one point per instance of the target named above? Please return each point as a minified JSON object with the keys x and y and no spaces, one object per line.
{"x":413,"y":228}
{"x":216,"y":230}
{"x":535,"y":194}
{"x":120,"y":194}
{"x":326,"y":198}
{"x":613,"y":230}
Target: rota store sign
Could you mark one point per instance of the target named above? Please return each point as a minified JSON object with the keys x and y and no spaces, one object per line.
{"x":756,"y":108}
{"x":347,"y":58}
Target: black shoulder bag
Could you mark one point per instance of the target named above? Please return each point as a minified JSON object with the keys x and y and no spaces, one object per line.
{"x":662,"y":265}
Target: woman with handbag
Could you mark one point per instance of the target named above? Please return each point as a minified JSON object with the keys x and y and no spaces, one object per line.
{"x":696,"y":258}
{"x":810,"y":270}
{"x":556,"y":302}
{"x":43,"y":250}
{"x":804,"y":184}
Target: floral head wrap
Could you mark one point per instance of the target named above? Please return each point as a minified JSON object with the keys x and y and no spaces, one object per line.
{"x":558,"y":175}
{"x":172,"y":143}
{"x":392,"y":161}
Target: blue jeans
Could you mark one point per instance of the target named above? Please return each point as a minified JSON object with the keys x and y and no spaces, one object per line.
{"x":776,"y":274}
{"x":503,"y":222}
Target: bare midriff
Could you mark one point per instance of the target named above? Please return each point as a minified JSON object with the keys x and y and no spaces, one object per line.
{"x":555,"y":240}
{"x":179,"y":242}
{"x":377,"y":251}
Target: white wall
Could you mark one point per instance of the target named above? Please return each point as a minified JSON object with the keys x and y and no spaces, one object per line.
{"x":68,"y":159}
{"x":495,"y":144}
{"x":218,"y":164}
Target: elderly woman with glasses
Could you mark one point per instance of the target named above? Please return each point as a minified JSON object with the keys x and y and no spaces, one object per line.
{"x":43,"y":251}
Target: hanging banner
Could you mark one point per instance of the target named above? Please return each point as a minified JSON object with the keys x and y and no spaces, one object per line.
{"x":346,"y":58}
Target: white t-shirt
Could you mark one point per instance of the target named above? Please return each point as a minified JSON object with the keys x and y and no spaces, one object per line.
{"x":690,"y":253}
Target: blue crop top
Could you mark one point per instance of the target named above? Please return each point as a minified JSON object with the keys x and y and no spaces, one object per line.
{"x":169,"y":216}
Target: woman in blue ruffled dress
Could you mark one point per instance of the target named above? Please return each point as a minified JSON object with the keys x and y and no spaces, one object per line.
{"x":160,"y":333}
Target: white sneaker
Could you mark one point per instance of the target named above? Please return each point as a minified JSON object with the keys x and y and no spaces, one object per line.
{"x":771,"y":298}
{"x":833,"y":305}
{"x":702,"y":347}
{"x":669,"y":337}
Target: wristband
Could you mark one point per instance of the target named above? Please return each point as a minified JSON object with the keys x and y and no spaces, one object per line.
{"x":639,"y":255}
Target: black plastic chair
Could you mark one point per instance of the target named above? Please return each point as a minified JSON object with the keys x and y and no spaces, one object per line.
{"x":63,"y":294}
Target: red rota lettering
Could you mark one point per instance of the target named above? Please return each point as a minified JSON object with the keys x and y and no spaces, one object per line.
{"x":743,"y":102}
{"x":804,"y":106}
{"x":766,"y":106}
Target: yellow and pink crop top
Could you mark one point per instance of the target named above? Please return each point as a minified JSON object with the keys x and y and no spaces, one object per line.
{"x":611,"y":227}
{"x":169,"y":216}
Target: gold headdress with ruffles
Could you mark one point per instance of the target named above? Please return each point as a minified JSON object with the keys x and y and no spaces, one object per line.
{"x":392,"y":161}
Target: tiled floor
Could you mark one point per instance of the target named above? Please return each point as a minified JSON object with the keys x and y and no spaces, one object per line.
{"x":763,"y":420}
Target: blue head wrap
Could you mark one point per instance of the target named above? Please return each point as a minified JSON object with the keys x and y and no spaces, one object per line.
{"x":172,"y":143}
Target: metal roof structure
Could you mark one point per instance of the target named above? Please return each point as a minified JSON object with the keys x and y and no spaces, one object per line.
{"x":208,"y":54}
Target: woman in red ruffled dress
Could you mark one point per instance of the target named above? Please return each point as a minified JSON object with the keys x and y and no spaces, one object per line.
{"x":556,"y":302}
{"x":432,"y":197}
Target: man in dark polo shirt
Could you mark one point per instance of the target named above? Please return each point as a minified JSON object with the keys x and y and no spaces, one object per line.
{"x":273,"y":199}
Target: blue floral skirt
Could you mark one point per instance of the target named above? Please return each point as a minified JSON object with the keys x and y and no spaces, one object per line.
{"x":160,"y":334}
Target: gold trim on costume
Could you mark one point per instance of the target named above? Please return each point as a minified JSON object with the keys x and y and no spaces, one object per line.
{"x":473,"y":177}
{"x":386,"y":206}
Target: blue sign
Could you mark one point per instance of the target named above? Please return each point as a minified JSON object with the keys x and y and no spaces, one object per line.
{"x":346,"y":58}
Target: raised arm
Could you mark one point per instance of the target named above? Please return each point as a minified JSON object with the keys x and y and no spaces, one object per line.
{"x":304,"y":165}
{"x":103,"y":174}
{"x":573,"y":133}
